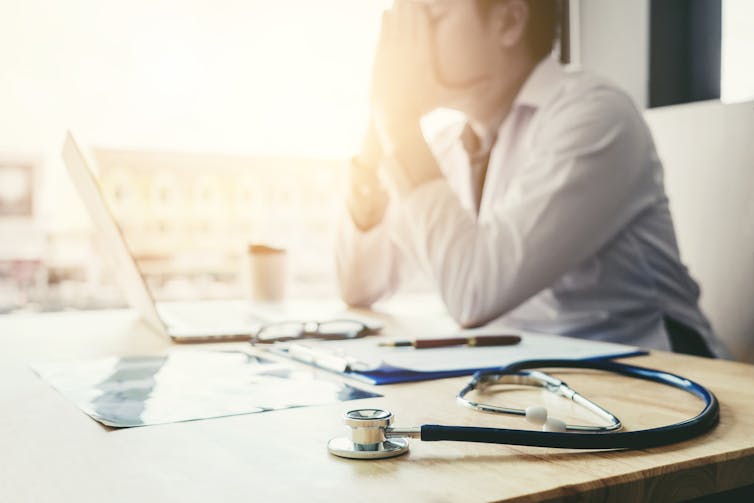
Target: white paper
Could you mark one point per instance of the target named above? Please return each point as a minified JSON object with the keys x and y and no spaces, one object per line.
{"x":187,"y":385}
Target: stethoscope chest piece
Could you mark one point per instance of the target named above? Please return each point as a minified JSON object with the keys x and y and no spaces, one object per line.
{"x":367,"y":436}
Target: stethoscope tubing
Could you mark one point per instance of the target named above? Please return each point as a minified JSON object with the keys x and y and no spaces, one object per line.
{"x":643,"y":439}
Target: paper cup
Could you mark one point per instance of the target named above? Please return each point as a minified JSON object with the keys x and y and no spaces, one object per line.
{"x":266,"y":273}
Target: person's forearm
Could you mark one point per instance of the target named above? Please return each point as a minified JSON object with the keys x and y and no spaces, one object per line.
{"x":415,"y":158}
{"x":366,"y":198}
{"x":473,"y":275}
{"x":366,"y":264}
{"x":366,"y":205}
{"x":409,"y":163}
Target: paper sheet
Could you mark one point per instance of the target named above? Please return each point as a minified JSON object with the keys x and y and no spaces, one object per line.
{"x":188,"y":385}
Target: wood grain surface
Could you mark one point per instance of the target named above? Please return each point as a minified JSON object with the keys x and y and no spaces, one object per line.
{"x":52,"y":452}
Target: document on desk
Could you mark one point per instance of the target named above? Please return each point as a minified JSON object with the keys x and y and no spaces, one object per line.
{"x":188,"y":385}
{"x":364,"y":359}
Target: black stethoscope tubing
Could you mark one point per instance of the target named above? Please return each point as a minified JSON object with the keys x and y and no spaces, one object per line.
{"x":642,"y":439}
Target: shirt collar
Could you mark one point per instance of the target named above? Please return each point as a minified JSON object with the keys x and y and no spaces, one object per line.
{"x":540,"y":84}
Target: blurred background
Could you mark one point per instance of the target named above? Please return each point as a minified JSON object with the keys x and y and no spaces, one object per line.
{"x":214,"y":123}
{"x":220,"y":123}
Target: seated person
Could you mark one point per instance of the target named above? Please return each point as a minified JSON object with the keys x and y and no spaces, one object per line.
{"x":543,"y":209}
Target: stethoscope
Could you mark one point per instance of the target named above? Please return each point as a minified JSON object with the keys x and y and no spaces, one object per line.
{"x":372,"y":435}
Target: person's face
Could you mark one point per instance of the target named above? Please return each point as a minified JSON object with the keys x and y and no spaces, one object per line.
{"x":465,"y":47}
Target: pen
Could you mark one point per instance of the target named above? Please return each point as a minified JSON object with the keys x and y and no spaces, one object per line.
{"x":479,"y":340}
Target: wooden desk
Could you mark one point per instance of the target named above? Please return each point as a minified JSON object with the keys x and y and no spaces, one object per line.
{"x":51,"y":451}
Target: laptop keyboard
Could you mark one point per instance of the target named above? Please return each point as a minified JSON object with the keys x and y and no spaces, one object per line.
{"x":209,"y":315}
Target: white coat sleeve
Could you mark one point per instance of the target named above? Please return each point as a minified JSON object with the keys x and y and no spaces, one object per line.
{"x":367,"y":263}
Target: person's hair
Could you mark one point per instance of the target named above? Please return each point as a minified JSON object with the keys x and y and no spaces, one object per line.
{"x":543,"y":27}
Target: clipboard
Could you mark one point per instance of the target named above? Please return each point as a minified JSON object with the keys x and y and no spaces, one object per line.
{"x":365,"y":360}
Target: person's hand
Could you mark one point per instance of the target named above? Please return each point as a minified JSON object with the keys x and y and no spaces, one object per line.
{"x":403,"y":83}
{"x":404,"y":88}
{"x":367,"y":198}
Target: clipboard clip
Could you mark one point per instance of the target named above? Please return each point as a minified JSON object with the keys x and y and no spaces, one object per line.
{"x":326,"y":360}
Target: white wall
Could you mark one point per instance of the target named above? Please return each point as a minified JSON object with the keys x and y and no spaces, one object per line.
{"x":737,"y":49}
{"x":614,"y":42}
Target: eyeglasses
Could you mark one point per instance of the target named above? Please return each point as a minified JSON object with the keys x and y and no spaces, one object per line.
{"x":323,"y":330}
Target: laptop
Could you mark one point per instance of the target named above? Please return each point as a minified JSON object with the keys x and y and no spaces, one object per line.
{"x":193,"y":321}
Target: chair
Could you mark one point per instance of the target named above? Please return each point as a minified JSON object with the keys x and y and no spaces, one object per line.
{"x":707,"y":149}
